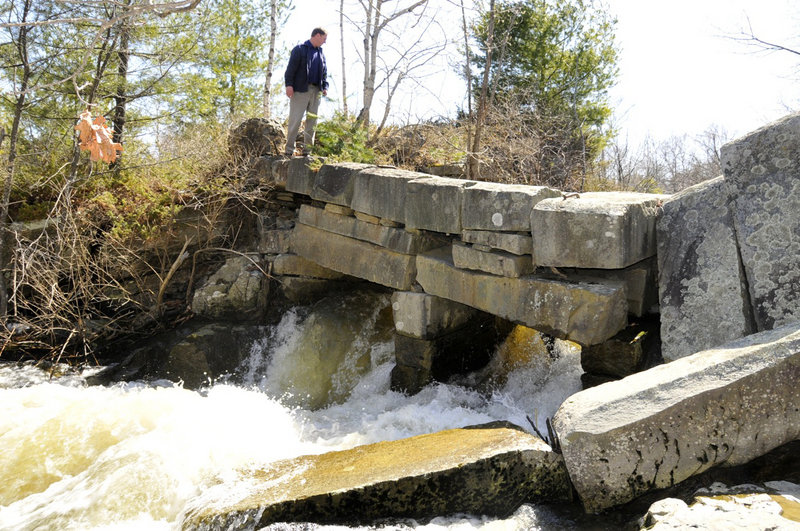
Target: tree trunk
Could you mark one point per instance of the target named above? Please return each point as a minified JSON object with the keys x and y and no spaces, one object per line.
{"x":121,"y":97}
{"x":482,"y":103}
{"x":471,"y":163}
{"x":344,"y":67}
{"x":273,"y":30}
{"x":19,"y":105}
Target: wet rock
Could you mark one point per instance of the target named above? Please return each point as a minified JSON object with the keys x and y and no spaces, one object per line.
{"x":237,"y":290}
{"x":654,"y":429}
{"x":773,"y":505}
{"x":763,"y":172}
{"x":481,"y":470}
{"x":207,"y":353}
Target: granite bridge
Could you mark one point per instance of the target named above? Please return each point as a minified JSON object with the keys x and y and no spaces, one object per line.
{"x":573,"y":266}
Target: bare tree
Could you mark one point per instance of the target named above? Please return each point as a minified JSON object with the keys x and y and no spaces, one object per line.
{"x":273,"y":32}
{"x":344,"y":63}
{"x":472,"y":161}
{"x":377,"y":17}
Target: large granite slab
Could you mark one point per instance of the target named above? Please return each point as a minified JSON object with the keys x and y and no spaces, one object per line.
{"x":502,"y":207}
{"x":434,"y":203}
{"x":426,"y":316}
{"x":512,"y":242}
{"x":481,"y":470}
{"x":381,"y":192}
{"x":585,"y":312}
{"x":354,"y":257}
{"x":604,"y":230}
{"x":392,"y":238}
{"x":299,"y":175}
{"x":494,"y":262}
{"x":763,"y":172}
{"x":334,"y":182}
{"x":702,"y":288}
{"x":656,"y":428}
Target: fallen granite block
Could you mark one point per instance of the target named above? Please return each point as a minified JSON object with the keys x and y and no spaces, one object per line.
{"x":334,"y":182}
{"x":702,"y":288}
{"x":354,"y":257}
{"x":480,"y":470}
{"x":381,"y":192}
{"x":426,"y":316}
{"x":502,"y":207}
{"x":434,"y":203}
{"x":512,"y":242}
{"x":495,"y":262}
{"x":603,"y":230}
{"x":394,"y":239}
{"x":653,"y":429}
{"x":585,"y":312}
{"x":763,"y":172}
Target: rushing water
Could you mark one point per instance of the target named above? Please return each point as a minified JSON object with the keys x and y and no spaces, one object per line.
{"x":134,"y":455}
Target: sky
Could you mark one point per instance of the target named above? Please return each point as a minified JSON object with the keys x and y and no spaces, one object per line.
{"x":681,"y":71}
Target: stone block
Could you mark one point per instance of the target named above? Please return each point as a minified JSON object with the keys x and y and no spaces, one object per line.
{"x":490,"y":469}
{"x":763,"y":172}
{"x":703,"y":295}
{"x":299,"y":176}
{"x":603,"y":230}
{"x":294,"y":265}
{"x":381,"y":192}
{"x":495,"y":262}
{"x":274,"y":241}
{"x":502,"y":207}
{"x":409,"y":380}
{"x":355,"y":257}
{"x":434,"y":203}
{"x":657,"y":428}
{"x":446,"y":170}
{"x":641,"y":288}
{"x":334,"y":182}
{"x":280,"y":172}
{"x":238,"y":289}
{"x":584,"y":312}
{"x":626,"y":353}
{"x":426,"y":316}
{"x":514,"y":243}
{"x":303,"y":290}
{"x":394,"y":239}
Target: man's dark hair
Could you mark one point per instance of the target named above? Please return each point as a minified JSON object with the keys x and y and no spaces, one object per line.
{"x":318,"y":31}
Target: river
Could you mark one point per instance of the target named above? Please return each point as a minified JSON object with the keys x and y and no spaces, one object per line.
{"x":134,"y":455}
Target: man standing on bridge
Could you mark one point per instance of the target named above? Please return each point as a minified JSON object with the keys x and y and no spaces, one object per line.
{"x":306,"y":80}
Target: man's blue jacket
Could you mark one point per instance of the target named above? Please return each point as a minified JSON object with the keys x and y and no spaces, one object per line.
{"x":297,"y":74}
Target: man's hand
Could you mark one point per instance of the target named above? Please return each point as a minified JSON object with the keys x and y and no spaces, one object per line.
{"x":325,"y":92}
{"x":290,"y":91}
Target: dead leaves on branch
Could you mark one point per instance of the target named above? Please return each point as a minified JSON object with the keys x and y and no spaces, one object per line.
{"x":96,"y":138}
